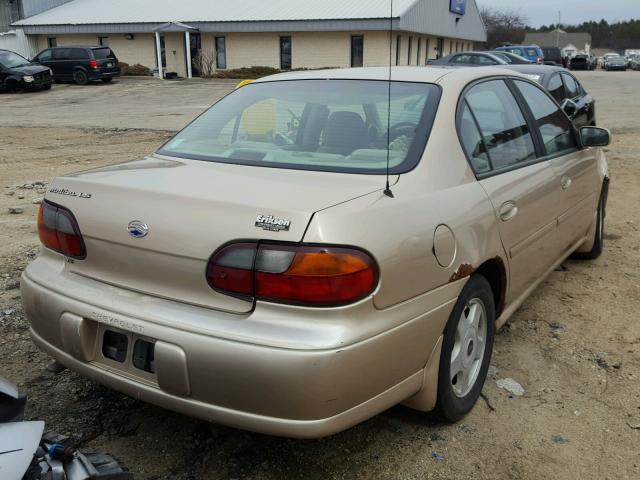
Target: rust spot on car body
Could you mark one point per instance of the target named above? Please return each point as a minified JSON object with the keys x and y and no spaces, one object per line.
{"x":463,"y":271}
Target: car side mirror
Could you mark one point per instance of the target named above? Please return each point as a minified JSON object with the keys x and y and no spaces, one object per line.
{"x":570,"y":108}
{"x":595,"y":137}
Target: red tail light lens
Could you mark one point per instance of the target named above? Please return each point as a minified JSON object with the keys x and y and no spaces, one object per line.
{"x":310,"y":275}
{"x":59,"y":231}
{"x":93,"y":63}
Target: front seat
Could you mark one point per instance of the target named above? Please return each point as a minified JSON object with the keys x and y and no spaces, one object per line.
{"x":344,"y":133}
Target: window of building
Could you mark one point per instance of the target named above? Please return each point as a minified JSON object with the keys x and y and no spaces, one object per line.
{"x":221,"y":53}
{"x":418,"y":53}
{"x":285,"y":53}
{"x":52,"y":42}
{"x":502,"y":125}
{"x":103,"y":41}
{"x":426,"y":49}
{"x":163,"y":56}
{"x":357,"y":50}
{"x":398,"y":47}
{"x":554,"y":125}
{"x":409,"y":47}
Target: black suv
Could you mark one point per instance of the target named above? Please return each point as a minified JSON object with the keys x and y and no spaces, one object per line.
{"x":552,"y":56}
{"x":17,"y":73}
{"x":80,"y":64}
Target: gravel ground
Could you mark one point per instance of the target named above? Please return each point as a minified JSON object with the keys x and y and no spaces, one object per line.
{"x":574,"y":346}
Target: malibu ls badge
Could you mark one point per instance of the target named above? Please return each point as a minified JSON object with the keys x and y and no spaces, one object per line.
{"x":137,"y":229}
{"x":272,"y":224}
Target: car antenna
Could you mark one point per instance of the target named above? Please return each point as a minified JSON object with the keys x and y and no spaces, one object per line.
{"x":387,"y":190}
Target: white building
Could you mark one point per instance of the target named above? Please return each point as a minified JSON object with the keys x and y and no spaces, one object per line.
{"x":282,"y":34}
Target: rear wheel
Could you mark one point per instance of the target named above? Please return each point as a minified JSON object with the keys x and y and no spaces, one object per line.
{"x":80,"y":77}
{"x":598,"y":241}
{"x":106,"y":80}
{"x":466,"y":349}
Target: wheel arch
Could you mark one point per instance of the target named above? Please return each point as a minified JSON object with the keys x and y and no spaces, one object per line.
{"x":495,"y":272}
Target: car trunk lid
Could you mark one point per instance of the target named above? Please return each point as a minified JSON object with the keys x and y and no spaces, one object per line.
{"x":190,"y":209}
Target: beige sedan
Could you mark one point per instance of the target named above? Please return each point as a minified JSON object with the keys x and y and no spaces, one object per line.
{"x":318,"y":246}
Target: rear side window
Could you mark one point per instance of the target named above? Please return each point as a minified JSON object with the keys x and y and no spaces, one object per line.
{"x":79,"y":54}
{"x":502,"y":124}
{"x":572,"y":86}
{"x":555,"y":128}
{"x":103,"y":53}
{"x":466,"y":59}
{"x":62,"y":54}
{"x":472,"y":142}
{"x":556,"y":88}
{"x":532,"y":52}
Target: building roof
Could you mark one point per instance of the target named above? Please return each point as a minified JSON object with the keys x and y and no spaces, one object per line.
{"x":131,"y":16}
{"x":550,"y":39}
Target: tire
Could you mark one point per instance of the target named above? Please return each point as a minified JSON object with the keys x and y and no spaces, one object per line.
{"x":598,"y":241}
{"x":106,"y":80}
{"x":80,"y":77}
{"x":48,"y":87}
{"x":458,"y":392}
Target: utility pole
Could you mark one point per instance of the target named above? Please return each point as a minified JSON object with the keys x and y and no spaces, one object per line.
{"x":558,"y":30}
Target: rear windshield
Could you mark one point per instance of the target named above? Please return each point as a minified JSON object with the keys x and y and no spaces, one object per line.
{"x":327,"y":125}
{"x":102,"y":53}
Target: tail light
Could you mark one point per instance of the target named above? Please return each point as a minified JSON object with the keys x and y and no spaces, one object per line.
{"x":93,"y":63}
{"x":59,"y":231}
{"x":310,"y":275}
{"x":540,"y":60}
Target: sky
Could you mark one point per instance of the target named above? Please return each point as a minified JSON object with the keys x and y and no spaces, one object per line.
{"x":544,"y":12}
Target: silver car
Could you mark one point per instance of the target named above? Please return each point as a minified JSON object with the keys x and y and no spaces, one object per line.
{"x":319,"y":246}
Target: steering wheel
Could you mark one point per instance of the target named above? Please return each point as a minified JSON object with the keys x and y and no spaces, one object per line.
{"x":402,"y":128}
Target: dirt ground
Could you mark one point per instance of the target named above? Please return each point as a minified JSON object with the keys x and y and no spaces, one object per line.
{"x":574,"y":346}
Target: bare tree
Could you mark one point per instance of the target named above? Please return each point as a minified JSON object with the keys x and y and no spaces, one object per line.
{"x":205,"y":62}
{"x":503,"y":26}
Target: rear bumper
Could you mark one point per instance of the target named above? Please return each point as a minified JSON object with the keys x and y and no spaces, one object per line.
{"x":303,"y":392}
{"x":99,"y":75}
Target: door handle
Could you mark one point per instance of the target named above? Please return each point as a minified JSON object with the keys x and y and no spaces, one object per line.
{"x":565,"y":181}
{"x":508,"y":210}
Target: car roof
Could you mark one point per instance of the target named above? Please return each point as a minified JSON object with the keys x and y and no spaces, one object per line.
{"x":535,"y":69}
{"x":424,"y":74}
{"x":90,"y":47}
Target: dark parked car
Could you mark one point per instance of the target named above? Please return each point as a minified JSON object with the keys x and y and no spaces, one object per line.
{"x":552,"y":56}
{"x":580,"y":62}
{"x":616,"y":62}
{"x":80,"y":63}
{"x":511,"y":58}
{"x":567,"y":91}
{"x":470,"y":59}
{"x":17,"y":73}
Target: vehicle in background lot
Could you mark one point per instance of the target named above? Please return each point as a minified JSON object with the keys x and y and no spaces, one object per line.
{"x":615,"y":62}
{"x":565,"y":89}
{"x":634,"y":64}
{"x":321,"y":297}
{"x":552,"y":56}
{"x":18,"y":74}
{"x":511,"y":58}
{"x":81,"y":64}
{"x":530,"y":52}
{"x":470,"y":59}
{"x":594,"y":61}
{"x":580,"y":61}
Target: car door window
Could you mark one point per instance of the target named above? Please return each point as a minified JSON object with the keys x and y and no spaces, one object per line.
{"x":556,"y":88}
{"x":483,"y":60}
{"x":466,"y":59}
{"x":571,"y":86}
{"x":62,"y":54}
{"x":555,"y":128}
{"x":472,"y":142}
{"x":44,"y":56}
{"x":503,"y":127}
